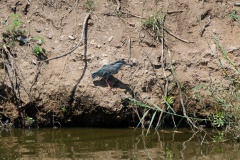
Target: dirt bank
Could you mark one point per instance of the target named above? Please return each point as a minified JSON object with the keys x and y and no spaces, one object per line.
{"x":169,"y":60}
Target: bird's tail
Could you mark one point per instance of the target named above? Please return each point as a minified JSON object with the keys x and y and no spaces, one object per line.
{"x":94,"y":75}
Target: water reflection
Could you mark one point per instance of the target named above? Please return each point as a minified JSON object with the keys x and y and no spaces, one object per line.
{"x":87,"y":143}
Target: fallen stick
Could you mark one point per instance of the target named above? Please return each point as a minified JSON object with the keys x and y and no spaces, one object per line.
{"x":118,"y":6}
{"x":177,"y":37}
{"x":129,"y":49}
{"x":74,"y":48}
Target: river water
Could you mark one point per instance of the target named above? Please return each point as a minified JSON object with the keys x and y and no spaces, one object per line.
{"x":111,"y":144}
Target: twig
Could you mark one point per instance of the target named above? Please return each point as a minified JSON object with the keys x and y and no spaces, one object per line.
{"x":133,"y":15}
{"x":177,"y":37}
{"x":181,"y":97}
{"x":3,"y":97}
{"x":237,"y":4}
{"x":74,"y":6}
{"x":233,"y":50}
{"x":123,"y":12}
{"x":27,"y":7}
{"x":118,"y":9}
{"x":205,"y":26}
{"x":203,"y":138}
{"x":118,"y":6}
{"x":84,"y":34}
{"x":79,"y":43}
{"x":170,"y":12}
{"x":35,"y":78}
{"x":162,"y":60}
{"x":164,"y":72}
{"x":136,"y":111}
{"x":9,"y":68}
{"x":129,"y":49}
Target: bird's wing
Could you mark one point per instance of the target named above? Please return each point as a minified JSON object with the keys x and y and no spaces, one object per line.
{"x":106,"y":71}
{"x":117,"y":67}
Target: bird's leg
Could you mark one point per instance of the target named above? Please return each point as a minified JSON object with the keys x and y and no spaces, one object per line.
{"x":108,"y":84}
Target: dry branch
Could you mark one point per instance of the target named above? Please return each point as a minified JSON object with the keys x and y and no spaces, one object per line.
{"x":181,"y":97}
{"x":129,"y":49}
{"x":75,"y":4}
{"x":205,"y":26}
{"x":79,"y":43}
{"x":118,"y":6}
{"x":177,"y":37}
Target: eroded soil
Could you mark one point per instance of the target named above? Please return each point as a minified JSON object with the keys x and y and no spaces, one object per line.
{"x":62,"y":92}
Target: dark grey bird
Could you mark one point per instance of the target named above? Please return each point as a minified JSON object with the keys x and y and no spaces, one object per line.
{"x":108,"y":70}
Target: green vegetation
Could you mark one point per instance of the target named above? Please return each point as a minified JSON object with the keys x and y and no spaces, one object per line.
{"x":38,"y":51}
{"x":169,"y":154}
{"x":64,"y":108}
{"x":219,"y":137}
{"x":29,"y":121}
{"x":219,"y":119}
{"x":219,"y":100}
{"x":235,"y":17}
{"x":15,"y":32}
{"x":223,"y":95}
{"x":152,"y":110}
{"x":89,"y":5}
{"x":154,"y":24}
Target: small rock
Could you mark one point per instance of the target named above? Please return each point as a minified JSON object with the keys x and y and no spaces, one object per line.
{"x":131,"y":24}
{"x":39,"y":42}
{"x":142,"y":35}
{"x":134,"y":60}
{"x":38,"y":30}
{"x":173,"y":62}
{"x":50,"y":35}
{"x":92,"y":42}
{"x":62,"y":37}
{"x":110,"y":39}
{"x":99,"y":46}
{"x":71,"y":37}
{"x":104,"y":55}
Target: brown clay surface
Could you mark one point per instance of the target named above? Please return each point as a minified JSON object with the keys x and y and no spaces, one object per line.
{"x":93,"y":104}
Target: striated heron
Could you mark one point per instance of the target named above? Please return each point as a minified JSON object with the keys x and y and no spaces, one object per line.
{"x":108,"y":70}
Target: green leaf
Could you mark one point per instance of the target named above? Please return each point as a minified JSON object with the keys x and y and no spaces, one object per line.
{"x":16,"y":23}
{"x":143,"y":117}
{"x":43,"y":50}
{"x":153,"y":117}
{"x":36,"y":50}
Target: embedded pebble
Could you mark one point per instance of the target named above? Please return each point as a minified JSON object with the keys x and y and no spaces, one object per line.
{"x":110,"y":39}
{"x":62,"y":37}
{"x":38,"y":30}
{"x":71,"y":37}
{"x":50,"y":35}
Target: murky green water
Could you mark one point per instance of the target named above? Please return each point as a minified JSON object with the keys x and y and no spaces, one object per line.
{"x":85,"y":143}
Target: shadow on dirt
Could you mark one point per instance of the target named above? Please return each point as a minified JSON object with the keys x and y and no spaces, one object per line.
{"x":114,"y":83}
